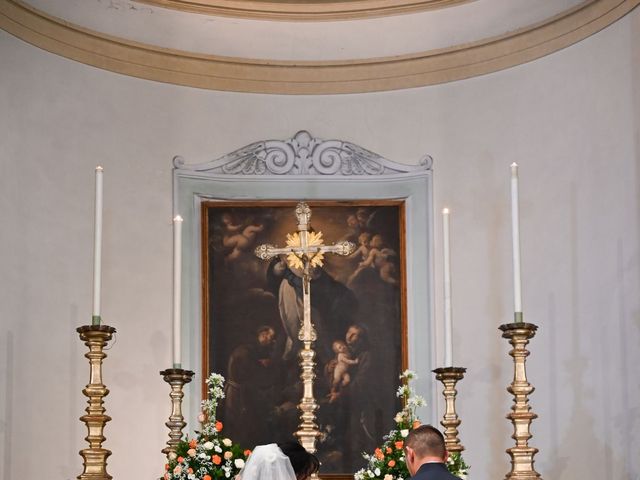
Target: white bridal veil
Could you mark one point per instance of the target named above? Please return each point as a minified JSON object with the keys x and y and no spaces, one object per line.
{"x":267,"y":462}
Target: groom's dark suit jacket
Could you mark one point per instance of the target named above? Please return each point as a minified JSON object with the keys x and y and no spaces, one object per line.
{"x":433,"y":471}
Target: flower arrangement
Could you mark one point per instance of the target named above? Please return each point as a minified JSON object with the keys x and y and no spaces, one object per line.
{"x":209,"y":456}
{"x":388,"y":461}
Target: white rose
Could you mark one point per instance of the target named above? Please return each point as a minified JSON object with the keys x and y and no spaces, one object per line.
{"x":239,"y":463}
{"x":217,"y":449}
{"x":227,"y":442}
{"x":377,"y":471}
{"x":388,"y":477}
{"x":173,"y":455}
{"x":404,"y":433}
{"x":201,"y":418}
{"x":191,"y":452}
{"x":208,"y":445}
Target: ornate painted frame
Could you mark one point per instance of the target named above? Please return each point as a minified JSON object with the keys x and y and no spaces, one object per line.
{"x":308,"y":168}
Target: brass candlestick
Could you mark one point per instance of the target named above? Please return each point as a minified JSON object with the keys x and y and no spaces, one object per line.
{"x":518,"y":334}
{"x":95,"y":337}
{"x":177,"y":378}
{"x":449,"y":376}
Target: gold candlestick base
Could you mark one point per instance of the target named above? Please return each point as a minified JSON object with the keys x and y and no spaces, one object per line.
{"x":95,"y":337}
{"x":450,"y":376}
{"x":177,"y":378}
{"x":518,"y":334}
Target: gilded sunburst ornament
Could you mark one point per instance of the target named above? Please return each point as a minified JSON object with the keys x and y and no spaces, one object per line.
{"x":315,"y":240}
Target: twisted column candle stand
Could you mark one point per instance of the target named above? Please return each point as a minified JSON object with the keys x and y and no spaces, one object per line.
{"x":95,"y":337}
{"x":450,"y":376}
{"x":518,"y":334}
{"x":177,"y":378}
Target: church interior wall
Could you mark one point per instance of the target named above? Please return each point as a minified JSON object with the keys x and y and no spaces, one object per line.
{"x":572,"y":122}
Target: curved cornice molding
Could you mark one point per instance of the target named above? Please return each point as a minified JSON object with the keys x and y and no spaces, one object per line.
{"x":304,"y":10}
{"x":294,"y":77}
{"x":303,"y":155}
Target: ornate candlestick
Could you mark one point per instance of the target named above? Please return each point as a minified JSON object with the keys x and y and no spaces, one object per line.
{"x":95,"y":337}
{"x":177,"y":378}
{"x":449,"y":376}
{"x":518,"y":334}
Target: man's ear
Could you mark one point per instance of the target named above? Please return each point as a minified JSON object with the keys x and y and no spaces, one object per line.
{"x":409,"y":456}
{"x":446,"y":456}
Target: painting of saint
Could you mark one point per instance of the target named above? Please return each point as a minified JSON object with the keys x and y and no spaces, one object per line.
{"x":252,"y":315}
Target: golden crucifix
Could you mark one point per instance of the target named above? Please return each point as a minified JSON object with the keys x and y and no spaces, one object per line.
{"x":305,"y":249}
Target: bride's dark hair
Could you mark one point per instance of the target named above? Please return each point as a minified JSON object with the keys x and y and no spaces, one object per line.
{"x":304,"y":463}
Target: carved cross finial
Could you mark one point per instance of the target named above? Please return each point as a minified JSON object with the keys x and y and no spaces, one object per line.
{"x":303,"y":214}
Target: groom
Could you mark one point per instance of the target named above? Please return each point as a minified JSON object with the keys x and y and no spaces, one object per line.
{"x":426,"y":454}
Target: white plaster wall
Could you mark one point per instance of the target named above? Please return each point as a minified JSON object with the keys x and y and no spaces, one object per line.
{"x":570,"y":119}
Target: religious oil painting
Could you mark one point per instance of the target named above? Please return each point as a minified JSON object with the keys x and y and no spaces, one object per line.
{"x":253,"y":310}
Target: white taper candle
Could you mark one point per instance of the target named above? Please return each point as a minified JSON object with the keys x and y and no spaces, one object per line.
{"x":515,"y":236}
{"x":177,"y":289}
{"x":448,"y":325}
{"x":97,"y":247}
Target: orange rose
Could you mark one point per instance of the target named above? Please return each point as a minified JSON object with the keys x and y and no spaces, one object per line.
{"x":193,"y":443}
{"x":166,"y":466}
{"x":416,"y":423}
{"x":378,"y":454}
{"x":399,"y":445}
{"x":388,"y":450}
{"x":180,"y":459}
{"x":216,"y":459}
{"x":392,"y":463}
{"x":206,"y":477}
{"x":218,"y":426}
{"x":190,"y":470}
{"x":247,"y":453}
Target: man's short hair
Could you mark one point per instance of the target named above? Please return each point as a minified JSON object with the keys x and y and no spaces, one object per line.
{"x":426,"y":441}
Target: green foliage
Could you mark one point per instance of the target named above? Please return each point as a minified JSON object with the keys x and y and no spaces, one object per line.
{"x":209,"y":456}
{"x":388,"y":461}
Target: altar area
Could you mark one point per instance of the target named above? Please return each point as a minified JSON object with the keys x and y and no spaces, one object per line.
{"x":568,"y":120}
{"x":316,"y":356}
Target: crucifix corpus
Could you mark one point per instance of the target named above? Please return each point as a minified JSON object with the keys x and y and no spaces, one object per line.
{"x":305,"y":250}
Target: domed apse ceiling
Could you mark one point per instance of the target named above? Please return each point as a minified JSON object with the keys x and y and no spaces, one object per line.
{"x":311,"y":47}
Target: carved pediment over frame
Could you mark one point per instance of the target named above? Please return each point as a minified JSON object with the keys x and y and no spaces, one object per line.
{"x":302,"y":155}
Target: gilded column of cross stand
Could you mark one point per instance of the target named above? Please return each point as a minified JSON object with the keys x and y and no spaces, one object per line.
{"x":177,"y":378}
{"x":95,"y":337}
{"x":450,"y":376}
{"x":518,"y":334}
{"x":305,"y":250}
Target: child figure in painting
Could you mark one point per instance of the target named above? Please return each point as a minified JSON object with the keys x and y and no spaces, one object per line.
{"x":379,"y":258}
{"x":343,"y":363}
{"x":238,"y":237}
{"x":363,"y":248}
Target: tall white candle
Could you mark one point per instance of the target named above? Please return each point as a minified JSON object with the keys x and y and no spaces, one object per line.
{"x":177,"y":287}
{"x":448,"y":325}
{"x":515,"y":236}
{"x":97,"y":248}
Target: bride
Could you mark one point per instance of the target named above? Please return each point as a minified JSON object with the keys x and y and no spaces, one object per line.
{"x":281,"y":461}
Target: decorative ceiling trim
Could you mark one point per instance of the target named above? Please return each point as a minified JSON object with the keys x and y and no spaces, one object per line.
{"x":304,"y":10}
{"x":298,"y":77}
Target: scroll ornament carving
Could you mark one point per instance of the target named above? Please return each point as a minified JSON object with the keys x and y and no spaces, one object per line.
{"x":303,"y":155}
